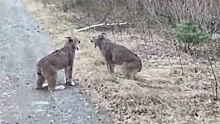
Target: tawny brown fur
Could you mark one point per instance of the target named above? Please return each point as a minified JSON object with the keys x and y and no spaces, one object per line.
{"x":48,"y":66}
{"x":116,"y":54}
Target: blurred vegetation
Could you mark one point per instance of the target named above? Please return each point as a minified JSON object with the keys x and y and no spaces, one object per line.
{"x":188,"y":33}
{"x":154,"y":13}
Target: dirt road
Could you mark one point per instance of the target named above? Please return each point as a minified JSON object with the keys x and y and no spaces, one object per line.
{"x":21,"y":46}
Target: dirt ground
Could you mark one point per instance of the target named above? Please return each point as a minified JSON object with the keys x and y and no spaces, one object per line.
{"x":161,"y":94}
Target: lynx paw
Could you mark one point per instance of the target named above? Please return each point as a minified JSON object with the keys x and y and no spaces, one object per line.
{"x":72,"y":83}
{"x":45,"y":85}
{"x":60,"y":87}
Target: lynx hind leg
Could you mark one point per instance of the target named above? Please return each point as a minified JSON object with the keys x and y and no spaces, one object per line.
{"x":129,"y":70}
{"x":134,"y":68}
{"x":40,"y":78}
{"x":125,"y":70}
{"x":52,"y":83}
{"x":40,"y":81}
{"x":50,"y":75}
{"x":133,"y":74}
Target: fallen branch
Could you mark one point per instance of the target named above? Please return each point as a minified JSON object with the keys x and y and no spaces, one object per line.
{"x":101,"y":25}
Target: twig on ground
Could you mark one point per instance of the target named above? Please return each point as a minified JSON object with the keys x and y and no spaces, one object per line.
{"x":180,"y":63}
{"x":178,"y":52}
{"x":216,"y":82}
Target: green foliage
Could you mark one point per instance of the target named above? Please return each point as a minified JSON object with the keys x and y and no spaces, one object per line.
{"x":187,"y":32}
{"x":65,"y":6}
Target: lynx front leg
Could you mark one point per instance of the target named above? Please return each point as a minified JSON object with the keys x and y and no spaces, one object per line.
{"x":108,"y":66}
{"x":111,"y":68}
{"x":68,"y":73}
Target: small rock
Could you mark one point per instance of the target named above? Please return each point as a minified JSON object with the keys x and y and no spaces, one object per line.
{"x":40,"y":110}
{"x":86,"y":104}
{"x":73,"y":83}
{"x":215,"y":36}
{"x":51,"y":121}
{"x":6,"y":94}
{"x":80,"y":99}
{"x":2,"y":121}
{"x":70,"y":111}
{"x":96,"y":112}
{"x":88,"y":117}
{"x":41,"y":103}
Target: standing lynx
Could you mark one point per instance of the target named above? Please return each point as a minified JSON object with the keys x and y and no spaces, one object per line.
{"x":63,"y":58}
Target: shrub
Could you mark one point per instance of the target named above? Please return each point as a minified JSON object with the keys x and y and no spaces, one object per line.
{"x":155,"y":13}
{"x":188,"y":33}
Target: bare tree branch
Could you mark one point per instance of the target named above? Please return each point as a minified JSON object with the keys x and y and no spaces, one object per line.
{"x":102,"y":25}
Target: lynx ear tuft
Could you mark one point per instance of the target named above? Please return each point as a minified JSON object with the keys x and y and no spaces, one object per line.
{"x":77,"y":48}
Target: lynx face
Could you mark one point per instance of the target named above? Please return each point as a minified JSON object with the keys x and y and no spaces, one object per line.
{"x":97,"y":39}
{"x":72,"y":42}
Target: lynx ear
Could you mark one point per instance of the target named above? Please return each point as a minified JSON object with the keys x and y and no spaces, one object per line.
{"x":69,"y":39}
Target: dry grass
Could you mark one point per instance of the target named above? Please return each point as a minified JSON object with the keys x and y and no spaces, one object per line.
{"x":160,"y":95}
